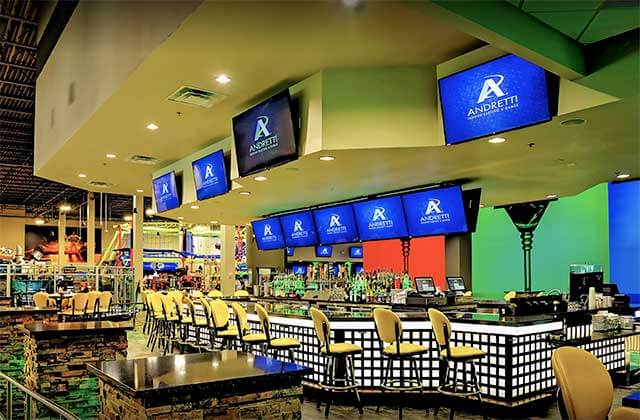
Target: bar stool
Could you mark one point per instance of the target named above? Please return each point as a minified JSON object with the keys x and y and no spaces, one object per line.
{"x":241,"y":293}
{"x":157,"y":320}
{"x":190,"y":319}
{"x":171,"y":321}
{"x":221,"y":327}
{"x":342,"y":353}
{"x":42,"y":300}
{"x":146,"y":304}
{"x":247,"y":338}
{"x":287,"y":344}
{"x":104,"y":304}
{"x":389,"y":329}
{"x":215,"y":294}
{"x":78,"y":306}
{"x":456,"y":355}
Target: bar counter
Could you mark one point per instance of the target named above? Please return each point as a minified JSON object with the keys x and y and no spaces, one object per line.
{"x":516,"y":370}
{"x":227,"y":384}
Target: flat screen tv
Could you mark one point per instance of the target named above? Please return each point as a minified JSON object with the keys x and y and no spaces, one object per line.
{"x":290,"y":251}
{"x":499,"y":95}
{"x":336,"y":225}
{"x":380,"y":218}
{"x":268,"y":234}
{"x":264,"y":135}
{"x":471,"y":199}
{"x":358,"y":269}
{"x":456,"y":284}
{"x":299,"y":270}
{"x":437,"y":211}
{"x":210,"y":175}
{"x":324,"y":251}
{"x":298,"y":229}
{"x":165,"y":192}
{"x":355,"y":252}
{"x":425,"y":285}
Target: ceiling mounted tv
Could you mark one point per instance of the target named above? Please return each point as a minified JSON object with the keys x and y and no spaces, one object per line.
{"x":336,"y":225}
{"x":355,"y":252}
{"x":298,"y":229}
{"x":264,"y":135}
{"x":499,"y":95}
{"x":380,"y":218}
{"x":165,"y":192}
{"x":290,"y":251}
{"x":324,"y":251}
{"x":438,"y":211}
{"x":268,"y":234}
{"x":210,"y":175}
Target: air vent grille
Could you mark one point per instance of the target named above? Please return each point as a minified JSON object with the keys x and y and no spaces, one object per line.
{"x":100,"y":184}
{"x":196,"y":97}
{"x":144,"y":160}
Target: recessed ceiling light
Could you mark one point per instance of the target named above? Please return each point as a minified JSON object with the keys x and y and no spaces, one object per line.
{"x":111,"y":156}
{"x":552,"y":196}
{"x":149,"y":212}
{"x":180,"y":217}
{"x":39,"y":221}
{"x":152,"y":126}
{"x":82,"y":175}
{"x":139,"y":190}
{"x":481,"y":205}
{"x":65,"y":207}
{"x":497,"y":140}
{"x":214,"y":222}
{"x":223,"y":78}
{"x":622,"y":176}
{"x":327,"y":158}
{"x":572,"y":122}
{"x":245,"y":193}
{"x":571,"y":164}
{"x":260,"y":178}
{"x":194,"y":207}
{"x":127,"y":218}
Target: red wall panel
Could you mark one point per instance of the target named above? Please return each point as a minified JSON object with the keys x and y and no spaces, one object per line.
{"x":426,"y":258}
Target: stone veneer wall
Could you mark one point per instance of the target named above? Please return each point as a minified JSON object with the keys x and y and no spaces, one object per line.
{"x":279,"y":404}
{"x":56,"y":367}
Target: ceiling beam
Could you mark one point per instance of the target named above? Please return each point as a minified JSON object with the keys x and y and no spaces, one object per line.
{"x":18,"y":66}
{"x":24,"y":123}
{"x":510,"y":29}
{"x":17,"y":111}
{"x":16,"y":132}
{"x":16,"y":98}
{"x":19,"y":84}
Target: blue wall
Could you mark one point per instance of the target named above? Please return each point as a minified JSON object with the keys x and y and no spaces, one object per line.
{"x":624,"y":237}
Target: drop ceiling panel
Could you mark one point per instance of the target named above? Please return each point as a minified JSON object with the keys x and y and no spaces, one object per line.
{"x":611,"y":22}
{"x":569,"y":23}
{"x":560,"y":5}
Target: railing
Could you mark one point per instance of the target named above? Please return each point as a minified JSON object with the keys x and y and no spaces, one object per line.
{"x":33,"y":405}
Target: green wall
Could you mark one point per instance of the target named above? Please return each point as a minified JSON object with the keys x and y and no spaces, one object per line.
{"x":573,"y":230}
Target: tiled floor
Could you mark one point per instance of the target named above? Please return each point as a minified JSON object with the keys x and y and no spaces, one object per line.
{"x":137,"y":349}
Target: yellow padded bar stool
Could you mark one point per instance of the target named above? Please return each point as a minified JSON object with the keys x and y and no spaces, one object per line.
{"x":337,"y":355}
{"x":276,"y":344}
{"x":455,"y":355}
{"x":585,"y":386}
{"x":92,"y":303}
{"x":221,"y":327}
{"x":247,"y":338}
{"x":171,"y":321}
{"x":157,"y":320}
{"x":241,"y":293}
{"x":389,"y":329}
{"x":215,"y":294}
{"x":78,"y":306}
{"x":104,"y":303}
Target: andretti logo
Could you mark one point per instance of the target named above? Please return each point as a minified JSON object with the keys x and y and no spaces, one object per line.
{"x":267,"y":234}
{"x":433,"y":213}
{"x":298,"y":230}
{"x":492,"y":89}
{"x":379,"y":220}
{"x":263,"y":140}
{"x":335,"y":225}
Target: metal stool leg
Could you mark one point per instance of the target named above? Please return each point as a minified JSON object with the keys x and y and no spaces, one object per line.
{"x":351,"y":370}
{"x":476,"y":384}
{"x":414,"y":364}
{"x":332,"y":376}
{"x":384,"y":382}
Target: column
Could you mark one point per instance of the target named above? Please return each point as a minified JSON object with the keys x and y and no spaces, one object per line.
{"x":137,"y":233}
{"x":62,"y":226}
{"x":458,"y":257}
{"x":91,"y":229}
{"x":227,"y":259}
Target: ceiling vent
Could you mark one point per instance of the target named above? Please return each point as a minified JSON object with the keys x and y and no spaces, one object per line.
{"x":196,"y":97}
{"x":100,"y":184}
{"x":144,"y":160}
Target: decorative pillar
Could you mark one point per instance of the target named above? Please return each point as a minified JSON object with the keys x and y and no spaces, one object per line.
{"x":91,"y":229}
{"x":227,"y":260}
{"x":137,"y":238}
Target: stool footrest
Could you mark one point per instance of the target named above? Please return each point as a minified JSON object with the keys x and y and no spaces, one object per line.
{"x":338,"y":387}
{"x":457,"y":393}
{"x":413,"y":385}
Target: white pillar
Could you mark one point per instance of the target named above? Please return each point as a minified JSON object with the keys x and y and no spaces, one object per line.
{"x":227,"y":260}
{"x":137,"y":234}
{"x":91,"y":229}
{"x":62,"y":226}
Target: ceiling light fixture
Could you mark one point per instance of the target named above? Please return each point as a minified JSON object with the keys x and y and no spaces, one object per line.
{"x":65,"y":207}
{"x":39,"y":221}
{"x":110,"y":156}
{"x":82,"y":175}
{"x":245,"y":193}
{"x":497,"y":140}
{"x":128,"y":218}
{"x":194,"y":207}
{"x":180,"y":218}
{"x":550,"y":196}
{"x":327,"y":158}
{"x":223,"y":78}
{"x":152,"y":126}
{"x":260,"y":178}
{"x":139,"y":190}
{"x":481,"y":206}
{"x":149,"y":212}
{"x":214,"y":222}
{"x":622,"y":176}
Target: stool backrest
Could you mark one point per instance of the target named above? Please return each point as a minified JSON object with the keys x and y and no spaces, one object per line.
{"x":92,"y":300}
{"x":169,"y":306}
{"x":241,"y":318}
{"x":265,"y":324}
{"x":190,"y":308}
{"x":322,"y":326}
{"x":220,"y":313}
{"x":587,"y":390}
{"x":41,"y":299}
{"x":104,"y":301}
{"x":509,"y":295}
{"x":215,"y":294}
{"x":388,"y":325}
{"x":441,"y":327}
{"x":198,"y":294}
{"x":241,"y":293}
{"x":79,"y":302}
{"x":176,"y":295}
{"x":155,"y":299}
{"x":207,"y":310}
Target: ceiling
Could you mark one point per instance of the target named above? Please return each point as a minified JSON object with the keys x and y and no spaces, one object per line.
{"x":586,"y":21}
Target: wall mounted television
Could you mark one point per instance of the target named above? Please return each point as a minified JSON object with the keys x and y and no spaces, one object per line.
{"x":165,"y":192}
{"x":380,"y":218}
{"x":356,"y":252}
{"x":268,"y":234}
{"x":324,"y":251}
{"x":497,"y":96}
{"x":298,"y":229}
{"x":437,"y":211}
{"x":210,"y":175}
{"x":336,"y":224}
{"x":264,"y":135}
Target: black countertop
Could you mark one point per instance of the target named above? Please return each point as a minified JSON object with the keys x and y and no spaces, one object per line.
{"x":594,"y":337}
{"x":48,"y":329}
{"x":17,"y":310}
{"x":227,"y":372}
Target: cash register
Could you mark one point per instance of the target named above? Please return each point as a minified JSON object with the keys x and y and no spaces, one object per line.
{"x":456,"y":291}
{"x":425,"y":294}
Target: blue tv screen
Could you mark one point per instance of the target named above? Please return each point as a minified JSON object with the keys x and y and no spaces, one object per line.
{"x":268,"y":234}
{"x":290,"y":251}
{"x":298,"y":229}
{"x":165,"y":192}
{"x":324,"y":251}
{"x":210,"y":176}
{"x":264,"y":135}
{"x":500,"y":95}
{"x":359,"y":269}
{"x":299,"y":269}
{"x":336,"y":225}
{"x":355,"y":252}
{"x":380,"y":218}
{"x":435,"y":212}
